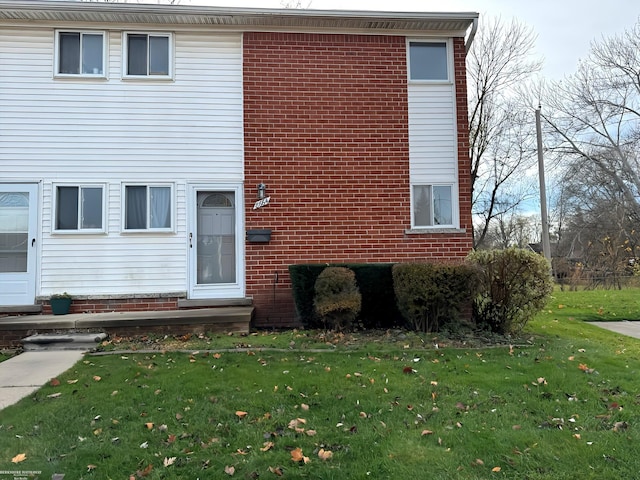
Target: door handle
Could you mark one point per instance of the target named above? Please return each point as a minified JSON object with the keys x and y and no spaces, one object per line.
{"x":33,"y":242}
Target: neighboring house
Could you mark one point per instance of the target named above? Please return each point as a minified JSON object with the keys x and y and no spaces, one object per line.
{"x":134,"y":139}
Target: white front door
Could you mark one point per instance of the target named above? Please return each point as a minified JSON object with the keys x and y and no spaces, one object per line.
{"x":18,"y":226}
{"x":216,"y":242}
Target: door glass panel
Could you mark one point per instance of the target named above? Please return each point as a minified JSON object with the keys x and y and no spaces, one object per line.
{"x":216,"y":238}
{"x":14,"y":231}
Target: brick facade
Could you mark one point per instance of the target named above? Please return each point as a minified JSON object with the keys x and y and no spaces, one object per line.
{"x":326,"y":129}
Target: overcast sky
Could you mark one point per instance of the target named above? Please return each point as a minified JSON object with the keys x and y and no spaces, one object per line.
{"x":565,"y":28}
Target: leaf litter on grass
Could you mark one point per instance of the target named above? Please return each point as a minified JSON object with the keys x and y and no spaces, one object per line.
{"x":362,"y":408}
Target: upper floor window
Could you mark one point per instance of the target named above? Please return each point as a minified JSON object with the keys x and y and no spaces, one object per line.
{"x":79,"y":208}
{"x":80,"y":53}
{"x":428,"y":61}
{"x":147,"y":55}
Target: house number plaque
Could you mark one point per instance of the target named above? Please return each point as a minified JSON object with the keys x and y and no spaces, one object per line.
{"x":261,"y":203}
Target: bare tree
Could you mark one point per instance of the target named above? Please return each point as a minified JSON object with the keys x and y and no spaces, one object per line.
{"x":511,"y":230}
{"x":295,"y":4}
{"x":502,"y":142}
{"x":594,"y":119}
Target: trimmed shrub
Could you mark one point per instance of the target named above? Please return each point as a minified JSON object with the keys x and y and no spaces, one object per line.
{"x":431,"y":295}
{"x":337,"y":299}
{"x":514,"y":285}
{"x":374,"y":280}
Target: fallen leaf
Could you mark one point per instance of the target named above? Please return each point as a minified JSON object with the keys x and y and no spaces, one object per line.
{"x":71,"y":382}
{"x":620,"y":426}
{"x":276,"y":471}
{"x":426,"y":432}
{"x":54,"y":382}
{"x":297,"y":456}
{"x":576,"y":436}
{"x":144,"y":445}
{"x":229,"y":470}
{"x":168,"y":461}
{"x":149,"y":425}
{"x":310,"y":433}
{"x":267,"y":446}
{"x":304,"y":407}
{"x":145,"y":472}
{"x":496,"y":469}
{"x":21,"y":457}
{"x":54,"y":395}
{"x":217,"y":355}
{"x":479,"y":462}
{"x":240,"y":414}
{"x":325,"y":454}
{"x":97,"y":378}
{"x":91,"y":467}
{"x":97,"y":431}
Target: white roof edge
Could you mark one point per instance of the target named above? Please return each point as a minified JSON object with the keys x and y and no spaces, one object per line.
{"x":102,"y":8}
{"x":71,"y":5}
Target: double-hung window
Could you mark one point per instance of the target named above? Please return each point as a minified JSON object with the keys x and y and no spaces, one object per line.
{"x":428,"y":61}
{"x":79,"y":209}
{"x":433,"y":206}
{"x":148,"y":207}
{"x":148,"y":55}
{"x":80,"y":53}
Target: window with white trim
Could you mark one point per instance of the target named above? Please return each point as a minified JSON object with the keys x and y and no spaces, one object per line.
{"x":433,"y":206}
{"x":80,"y":53}
{"x":147,"y":55}
{"x":428,"y":61}
{"x":148,"y":207}
{"x":79,"y":208}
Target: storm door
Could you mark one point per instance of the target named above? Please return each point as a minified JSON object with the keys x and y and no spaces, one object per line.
{"x":215,"y":242}
{"x":18,"y":225}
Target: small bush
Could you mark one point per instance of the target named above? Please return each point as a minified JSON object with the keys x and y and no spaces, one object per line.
{"x":514,"y":285}
{"x":429,"y":295}
{"x":337,"y":298}
{"x":374,"y":281}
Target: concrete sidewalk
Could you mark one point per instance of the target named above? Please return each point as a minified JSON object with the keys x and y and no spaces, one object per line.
{"x":631,"y":329}
{"x":25,"y":373}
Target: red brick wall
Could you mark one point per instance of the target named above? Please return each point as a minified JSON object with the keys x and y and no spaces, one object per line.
{"x":101,"y":305}
{"x":326,"y":129}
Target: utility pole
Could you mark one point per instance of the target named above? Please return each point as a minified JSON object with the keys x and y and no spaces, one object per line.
{"x":546,"y":246}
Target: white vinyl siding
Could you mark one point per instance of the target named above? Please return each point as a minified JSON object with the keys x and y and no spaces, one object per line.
{"x":433,"y":159}
{"x":114,"y":132}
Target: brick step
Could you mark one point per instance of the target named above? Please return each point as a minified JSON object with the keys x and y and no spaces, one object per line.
{"x":84,"y":342}
{"x":174,"y":322}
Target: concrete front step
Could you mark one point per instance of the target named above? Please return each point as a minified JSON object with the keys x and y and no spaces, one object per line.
{"x":179,"y":322}
{"x":83,"y":342}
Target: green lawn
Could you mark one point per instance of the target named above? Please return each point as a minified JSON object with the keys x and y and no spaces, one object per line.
{"x":598,"y":305}
{"x":561,"y":402}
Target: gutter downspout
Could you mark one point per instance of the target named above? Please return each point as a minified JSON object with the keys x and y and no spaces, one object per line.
{"x":471,"y":36}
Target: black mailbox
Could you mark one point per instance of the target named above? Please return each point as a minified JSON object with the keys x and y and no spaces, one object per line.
{"x":259,"y":236}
